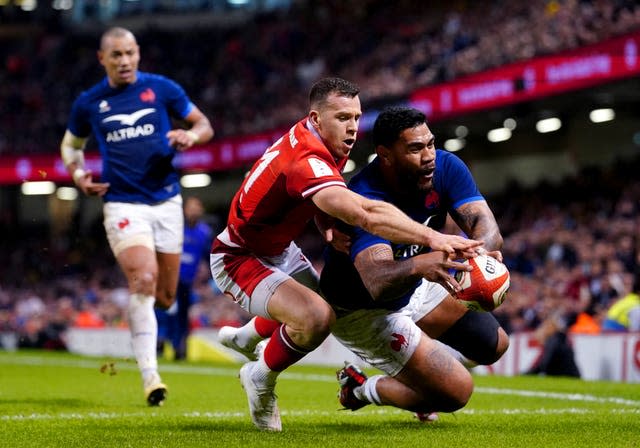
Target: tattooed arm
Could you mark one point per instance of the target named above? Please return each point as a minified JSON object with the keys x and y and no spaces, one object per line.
{"x":387,"y":279}
{"x":477,"y":221}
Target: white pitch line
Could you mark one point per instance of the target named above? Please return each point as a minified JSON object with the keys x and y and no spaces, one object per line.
{"x":128,"y":364}
{"x":306,"y":413}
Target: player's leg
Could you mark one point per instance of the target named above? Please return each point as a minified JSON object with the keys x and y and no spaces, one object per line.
{"x":476,"y":335}
{"x":421,"y":375}
{"x":181,"y":320}
{"x":244,"y":339}
{"x":140,"y":268}
{"x":130,"y":234}
{"x":306,"y":321}
{"x":262,"y":289}
{"x":431,"y":381}
{"x":167,"y":284}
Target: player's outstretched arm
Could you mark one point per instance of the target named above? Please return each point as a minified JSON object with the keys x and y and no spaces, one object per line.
{"x":476,"y":220}
{"x":388,"y":279}
{"x":389,"y":222}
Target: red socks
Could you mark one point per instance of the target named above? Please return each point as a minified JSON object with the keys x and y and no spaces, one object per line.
{"x":281,"y":352}
{"x":265,"y":327}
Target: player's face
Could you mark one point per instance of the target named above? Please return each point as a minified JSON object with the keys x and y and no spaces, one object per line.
{"x":337,"y":120}
{"x":413,"y":158}
{"x":120,"y":57}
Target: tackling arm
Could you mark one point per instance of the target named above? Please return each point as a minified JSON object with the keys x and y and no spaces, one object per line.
{"x":386,"y":220}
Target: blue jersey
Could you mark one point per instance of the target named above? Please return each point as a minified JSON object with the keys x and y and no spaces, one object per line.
{"x":130,"y":124}
{"x":453,"y":186}
{"x":197,"y":241}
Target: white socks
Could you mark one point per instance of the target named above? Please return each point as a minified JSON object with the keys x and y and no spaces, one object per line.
{"x":247,"y":336}
{"x":261,"y":373}
{"x":144,"y":333}
{"x":367,"y":392}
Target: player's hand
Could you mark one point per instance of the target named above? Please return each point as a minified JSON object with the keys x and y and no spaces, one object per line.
{"x":455,"y":245}
{"x":339,"y":240}
{"x":437,"y":266}
{"x":495,"y":254}
{"x":182,"y":139}
{"x":89,"y":187}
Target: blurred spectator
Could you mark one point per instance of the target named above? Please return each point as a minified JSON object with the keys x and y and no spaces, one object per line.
{"x":557,"y":358}
{"x":624,"y":314}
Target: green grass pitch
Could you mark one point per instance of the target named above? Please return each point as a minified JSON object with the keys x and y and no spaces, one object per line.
{"x":61,"y":400}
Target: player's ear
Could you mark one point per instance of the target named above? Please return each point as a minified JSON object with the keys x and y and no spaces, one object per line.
{"x":314,"y":118}
{"x":383,"y":154}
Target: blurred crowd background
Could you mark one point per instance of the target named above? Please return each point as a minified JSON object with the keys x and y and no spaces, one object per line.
{"x":572,"y":248}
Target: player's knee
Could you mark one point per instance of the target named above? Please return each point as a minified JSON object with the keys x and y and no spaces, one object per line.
{"x":455,"y":396}
{"x":143,"y":281}
{"x":317,"y":324}
{"x":478,"y":336}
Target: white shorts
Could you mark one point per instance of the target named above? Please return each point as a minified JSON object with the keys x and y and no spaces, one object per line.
{"x":252,"y":280}
{"x":159,"y":227}
{"x":387,"y":339}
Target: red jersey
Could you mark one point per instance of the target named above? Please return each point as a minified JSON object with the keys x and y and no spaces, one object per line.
{"x":273,"y":205}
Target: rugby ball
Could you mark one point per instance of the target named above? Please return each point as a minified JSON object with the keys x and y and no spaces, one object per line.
{"x":485,"y":287}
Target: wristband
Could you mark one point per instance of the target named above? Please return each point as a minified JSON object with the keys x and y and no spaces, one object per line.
{"x":193,"y":136}
{"x":77,"y":174}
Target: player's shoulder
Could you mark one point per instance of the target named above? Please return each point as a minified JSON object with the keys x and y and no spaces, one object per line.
{"x":154,"y":77}
{"x":447,"y":161}
{"x":368,"y":181}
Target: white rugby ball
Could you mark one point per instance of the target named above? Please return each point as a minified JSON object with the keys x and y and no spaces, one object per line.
{"x":485,"y":287}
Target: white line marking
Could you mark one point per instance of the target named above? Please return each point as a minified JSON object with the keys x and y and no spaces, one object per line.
{"x":129,"y":364}
{"x":302,"y":413}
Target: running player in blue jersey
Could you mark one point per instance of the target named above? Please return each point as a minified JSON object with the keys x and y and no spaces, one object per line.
{"x":388,"y":305}
{"x":129,"y":113}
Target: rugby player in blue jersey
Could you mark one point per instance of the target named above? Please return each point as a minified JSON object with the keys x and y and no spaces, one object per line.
{"x":129,"y":113}
{"x":390,"y":310}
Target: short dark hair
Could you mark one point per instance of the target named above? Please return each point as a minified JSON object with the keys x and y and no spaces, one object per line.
{"x":392,"y":121}
{"x":321,"y":90}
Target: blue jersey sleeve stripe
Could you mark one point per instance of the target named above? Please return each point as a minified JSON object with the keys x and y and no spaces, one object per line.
{"x":467,"y":200}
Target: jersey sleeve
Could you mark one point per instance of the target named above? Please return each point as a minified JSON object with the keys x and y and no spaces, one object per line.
{"x":311,"y":173}
{"x":78,"y":123}
{"x":459,"y":183}
{"x":177,"y":100}
{"x":363,"y":184}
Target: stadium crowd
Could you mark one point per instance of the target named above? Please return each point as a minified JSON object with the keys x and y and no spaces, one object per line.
{"x":252,"y":77}
{"x":572,"y":248}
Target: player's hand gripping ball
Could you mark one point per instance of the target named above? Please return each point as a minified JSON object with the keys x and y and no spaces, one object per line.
{"x":485,"y":287}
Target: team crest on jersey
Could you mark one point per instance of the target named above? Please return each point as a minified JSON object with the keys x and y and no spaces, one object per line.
{"x":104,"y":106}
{"x":148,"y":96}
{"x":432,"y":200}
{"x":398,"y":342}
